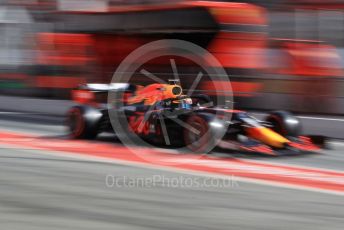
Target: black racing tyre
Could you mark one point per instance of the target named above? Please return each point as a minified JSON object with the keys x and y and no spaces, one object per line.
{"x":79,"y":125}
{"x":202,"y":141}
{"x":285,"y":123}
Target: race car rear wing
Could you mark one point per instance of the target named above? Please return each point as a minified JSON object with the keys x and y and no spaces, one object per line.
{"x":105,"y":87}
{"x":95,"y":94}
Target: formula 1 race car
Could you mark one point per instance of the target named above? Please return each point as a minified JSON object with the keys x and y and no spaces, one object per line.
{"x":162,"y":115}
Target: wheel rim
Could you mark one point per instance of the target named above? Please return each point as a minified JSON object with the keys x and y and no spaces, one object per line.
{"x":193,"y":137}
{"x":196,"y":142}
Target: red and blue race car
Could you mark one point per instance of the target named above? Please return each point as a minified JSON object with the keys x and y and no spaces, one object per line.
{"x":161,"y":115}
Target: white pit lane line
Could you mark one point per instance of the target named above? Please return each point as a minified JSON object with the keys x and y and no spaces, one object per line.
{"x":304,"y":117}
{"x":321,"y":118}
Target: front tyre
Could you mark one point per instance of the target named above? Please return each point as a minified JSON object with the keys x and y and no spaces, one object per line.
{"x":285,"y":123}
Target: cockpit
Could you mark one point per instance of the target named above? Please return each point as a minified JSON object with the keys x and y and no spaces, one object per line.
{"x":180,"y":103}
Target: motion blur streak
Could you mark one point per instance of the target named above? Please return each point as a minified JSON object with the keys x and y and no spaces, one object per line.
{"x":278,"y":54}
{"x":294,"y":176}
{"x":46,"y":183}
{"x":42,"y":192}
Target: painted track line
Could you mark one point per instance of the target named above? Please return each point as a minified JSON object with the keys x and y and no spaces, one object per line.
{"x":304,"y":117}
{"x":329,"y":181}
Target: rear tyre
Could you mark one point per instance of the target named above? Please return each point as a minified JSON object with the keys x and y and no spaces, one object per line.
{"x":79,"y":125}
{"x":285,"y":123}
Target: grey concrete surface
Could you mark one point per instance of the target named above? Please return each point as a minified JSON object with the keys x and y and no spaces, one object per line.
{"x":42,"y":191}
{"x":45,"y":192}
{"x":34,"y":105}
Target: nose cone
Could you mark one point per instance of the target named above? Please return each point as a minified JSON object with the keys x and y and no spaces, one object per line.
{"x":268,"y":136}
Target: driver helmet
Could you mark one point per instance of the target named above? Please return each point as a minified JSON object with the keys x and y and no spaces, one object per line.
{"x":186,"y":103}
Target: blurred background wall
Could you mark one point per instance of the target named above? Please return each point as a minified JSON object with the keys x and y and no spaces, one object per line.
{"x":280,"y":54}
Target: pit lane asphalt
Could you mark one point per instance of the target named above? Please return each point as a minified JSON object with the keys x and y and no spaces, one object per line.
{"x":42,"y":191}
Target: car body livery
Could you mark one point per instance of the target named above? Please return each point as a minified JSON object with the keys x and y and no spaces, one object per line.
{"x":162,"y":115}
